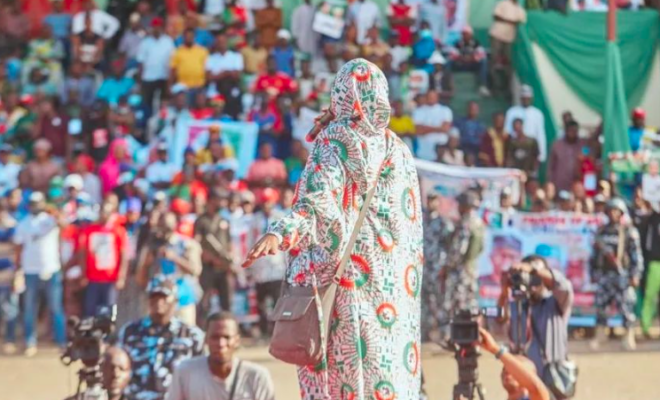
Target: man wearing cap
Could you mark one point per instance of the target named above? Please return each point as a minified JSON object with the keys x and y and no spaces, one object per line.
{"x":153,"y":56}
{"x":158,"y":342}
{"x":441,"y":79}
{"x":641,"y":137}
{"x":616,"y":267}
{"x":9,"y":171}
{"x":459,"y":273}
{"x":284,"y":54}
{"x":267,"y":22}
{"x":161,"y":172}
{"x":533,"y":120}
{"x":37,"y":242}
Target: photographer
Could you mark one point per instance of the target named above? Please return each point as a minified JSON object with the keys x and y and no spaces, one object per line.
{"x":116,"y":371}
{"x":545,"y":298}
{"x":518,"y":373}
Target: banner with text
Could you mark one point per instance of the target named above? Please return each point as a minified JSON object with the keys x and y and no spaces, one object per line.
{"x":447,"y":182}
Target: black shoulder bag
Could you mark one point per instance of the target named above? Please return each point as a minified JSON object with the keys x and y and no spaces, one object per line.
{"x":560,"y":377}
{"x":234,"y":384}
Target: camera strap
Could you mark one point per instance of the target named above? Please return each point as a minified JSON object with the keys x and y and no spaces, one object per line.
{"x":234,"y":383}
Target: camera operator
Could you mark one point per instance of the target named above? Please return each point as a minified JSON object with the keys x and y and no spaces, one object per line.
{"x":158,"y":342}
{"x":545,"y":310}
{"x":116,"y":371}
{"x":616,"y":266}
{"x":518,"y":376}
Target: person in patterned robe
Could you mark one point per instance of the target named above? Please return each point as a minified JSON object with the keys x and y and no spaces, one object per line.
{"x":374,"y":343}
{"x":460,"y":270}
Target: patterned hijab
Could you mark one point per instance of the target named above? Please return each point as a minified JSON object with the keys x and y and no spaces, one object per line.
{"x":360,"y":93}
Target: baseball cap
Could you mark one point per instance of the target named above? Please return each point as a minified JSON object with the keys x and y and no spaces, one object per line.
{"x":160,"y":196}
{"x":600,"y":199}
{"x":37,"y":197}
{"x":218,"y":99}
{"x":283,"y":34}
{"x":43,"y":144}
{"x":565,"y":195}
{"x":6,"y":147}
{"x":638,"y":113}
{"x":437,"y":58}
{"x":178,"y":88}
{"x":454,"y":132}
{"x":617,"y":204}
{"x":125,"y":177}
{"x":526,"y":91}
{"x":162,"y":285}
{"x":161,"y":146}
{"x":157,"y":22}
{"x":135,"y":17}
{"x":74,"y":181}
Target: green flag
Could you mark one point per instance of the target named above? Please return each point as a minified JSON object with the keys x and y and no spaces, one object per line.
{"x":615,"y":113}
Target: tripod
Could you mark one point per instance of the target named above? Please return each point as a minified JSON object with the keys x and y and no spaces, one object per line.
{"x":520,"y":342}
{"x":468,"y":374}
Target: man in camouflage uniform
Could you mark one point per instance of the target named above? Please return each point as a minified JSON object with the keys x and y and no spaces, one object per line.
{"x":158,"y":342}
{"x":459,"y":272}
{"x":616,"y":266}
{"x":437,"y":234}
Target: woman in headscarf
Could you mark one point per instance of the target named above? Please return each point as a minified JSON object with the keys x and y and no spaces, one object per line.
{"x":111,"y":167}
{"x":374,"y":343}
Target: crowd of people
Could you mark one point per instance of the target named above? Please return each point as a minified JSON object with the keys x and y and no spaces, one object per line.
{"x":103,"y":202}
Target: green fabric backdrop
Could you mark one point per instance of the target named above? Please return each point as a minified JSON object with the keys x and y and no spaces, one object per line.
{"x":615,"y":127}
{"x":576,"y":46}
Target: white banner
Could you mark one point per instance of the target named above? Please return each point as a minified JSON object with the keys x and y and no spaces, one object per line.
{"x":328,"y":25}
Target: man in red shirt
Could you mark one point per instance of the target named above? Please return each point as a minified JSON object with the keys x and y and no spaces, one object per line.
{"x":402,"y":19}
{"x":273,"y":82}
{"x":104,"y":260}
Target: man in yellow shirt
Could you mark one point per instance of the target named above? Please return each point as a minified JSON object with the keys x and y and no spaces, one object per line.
{"x":402,"y":124}
{"x":188,"y":62}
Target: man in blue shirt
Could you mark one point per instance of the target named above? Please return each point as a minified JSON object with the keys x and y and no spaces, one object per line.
{"x":472,"y":131}
{"x":638,"y":130}
{"x":116,"y":85}
{"x":283,"y":53}
{"x":202,"y":36}
{"x":59,"y":21}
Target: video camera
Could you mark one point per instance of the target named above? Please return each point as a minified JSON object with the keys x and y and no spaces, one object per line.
{"x":86,"y":345}
{"x":465,"y":339}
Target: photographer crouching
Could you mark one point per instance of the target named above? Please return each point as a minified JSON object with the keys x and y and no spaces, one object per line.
{"x":538,"y":321}
{"x":116,"y":374}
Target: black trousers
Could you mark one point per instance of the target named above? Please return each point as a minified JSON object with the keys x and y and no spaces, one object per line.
{"x":149,"y":89}
{"x":220,"y":281}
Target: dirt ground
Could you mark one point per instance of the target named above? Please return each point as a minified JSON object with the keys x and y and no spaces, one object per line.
{"x":607,"y":375}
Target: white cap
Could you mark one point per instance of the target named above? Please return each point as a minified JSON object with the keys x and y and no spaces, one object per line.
{"x":526,"y":91}
{"x":37,"y":197}
{"x":437,"y":58}
{"x":283,"y":34}
{"x":134,"y":18}
{"x":454,"y":132}
{"x":178,"y":88}
{"x":74,"y":181}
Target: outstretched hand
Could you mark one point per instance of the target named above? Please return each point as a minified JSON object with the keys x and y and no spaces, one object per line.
{"x":266,"y":246}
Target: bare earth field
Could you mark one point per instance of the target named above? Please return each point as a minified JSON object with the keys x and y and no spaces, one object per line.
{"x":607,"y":375}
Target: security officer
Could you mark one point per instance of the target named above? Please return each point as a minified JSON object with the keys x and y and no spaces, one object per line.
{"x":437,"y":234}
{"x":460,"y":270}
{"x":616,"y":266}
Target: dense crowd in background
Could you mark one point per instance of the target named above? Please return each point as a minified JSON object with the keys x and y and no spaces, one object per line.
{"x":91,"y":222}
